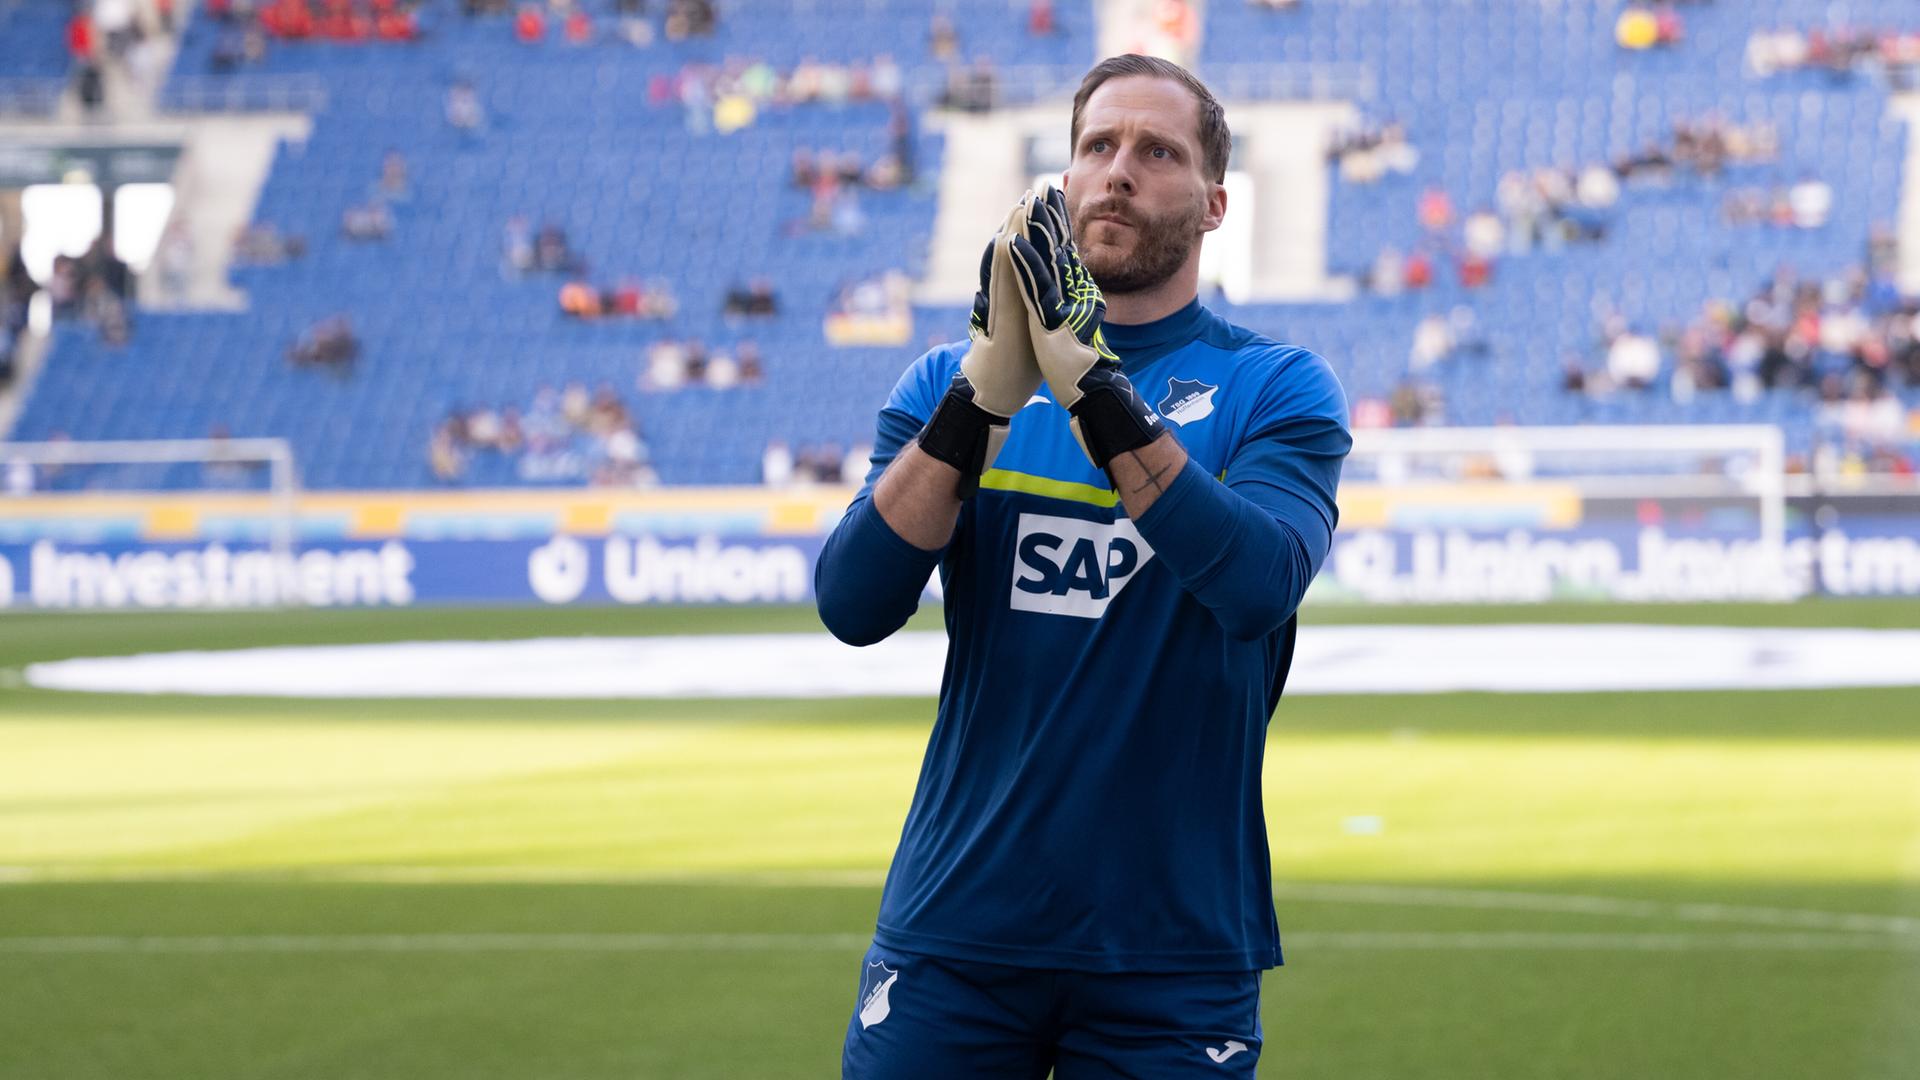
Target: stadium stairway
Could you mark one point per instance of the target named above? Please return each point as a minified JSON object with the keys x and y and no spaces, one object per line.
{"x":1907,"y":107}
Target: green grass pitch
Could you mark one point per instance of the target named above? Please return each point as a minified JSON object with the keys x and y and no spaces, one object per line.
{"x":1576,"y":886}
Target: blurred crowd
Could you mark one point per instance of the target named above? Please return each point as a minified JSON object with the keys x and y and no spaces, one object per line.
{"x":525,"y":250}
{"x":1552,"y":208}
{"x":674,"y":364}
{"x":263,"y":244}
{"x":15,"y":291}
{"x":127,"y":36}
{"x":782,"y":465}
{"x":729,"y":96}
{"x":834,"y":180}
{"x":95,"y":288}
{"x":1641,"y":25}
{"x":329,"y":344}
{"x":247,"y":26}
{"x":1838,"y":51}
{"x":563,"y":435}
{"x":1847,"y":342}
{"x":1366,"y":152}
{"x":627,"y":298}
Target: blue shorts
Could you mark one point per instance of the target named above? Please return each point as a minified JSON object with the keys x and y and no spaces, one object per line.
{"x":927,"y":1018}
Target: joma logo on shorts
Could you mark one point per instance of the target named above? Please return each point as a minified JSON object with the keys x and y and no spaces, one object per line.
{"x":1066,"y":566}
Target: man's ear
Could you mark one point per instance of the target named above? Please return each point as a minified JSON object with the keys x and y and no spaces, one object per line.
{"x":1216,"y":208}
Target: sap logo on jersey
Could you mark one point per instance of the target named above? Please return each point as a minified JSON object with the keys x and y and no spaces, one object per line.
{"x":1066,"y":566}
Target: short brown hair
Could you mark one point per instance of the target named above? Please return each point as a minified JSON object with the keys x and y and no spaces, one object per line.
{"x":1216,"y":142}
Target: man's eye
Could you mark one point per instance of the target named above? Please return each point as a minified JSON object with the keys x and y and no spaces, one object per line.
{"x":1162,"y":152}
{"x":1098,"y":146}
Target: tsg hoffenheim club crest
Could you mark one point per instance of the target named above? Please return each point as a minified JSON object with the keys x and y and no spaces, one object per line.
{"x":1187,"y":400}
{"x":874,"y":1005}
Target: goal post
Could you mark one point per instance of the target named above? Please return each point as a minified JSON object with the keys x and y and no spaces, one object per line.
{"x":1527,"y":513}
{"x":260,"y":471}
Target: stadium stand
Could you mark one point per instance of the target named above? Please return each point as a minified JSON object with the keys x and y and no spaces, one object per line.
{"x":617,"y":146}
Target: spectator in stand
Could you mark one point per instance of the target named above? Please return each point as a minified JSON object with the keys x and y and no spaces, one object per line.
{"x":776,"y":464}
{"x":529,"y":24}
{"x":752,"y":373}
{"x":264,"y":245}
{"x":666,"y":368}
{"x":102,"y":307}
{"x":689,"y":19}
{"x":975,"y":88}
{"x":575,"y":402}
{"x":803,"y":172}
{"x":580,"y":300}
{"x":887,"y":81}
{"x":1040,"y":18}
{"x":943,"y":44}
{"x":292,"y":19}
{"x":1811,"y":200}
{"x":394,"y":186}
{"x":329,"y":343}
{"x":1435,"y":210}
{"x":1419,"y":270}
{"x":552,"y":253}
{"x":229,"y":51}
{"x":83,"y":41}
{"x":368,"y":221}
{"x":63,"y":286}
{"x":83,"y":48}
{"x":627,"y":298}
{"x":755,"y":299}
{"x":114,"y":20}
{"x":393,"y":22}
{"x":1387,"y":276}
{"x":101,"y":263}
{"x":578,"y":27}
{"x":344,"y":22}
{"x":516,"y":246}
{"x":723,"y":371}
{"x":1637,"y":28}
{"x":463,"y":108}
{"x":445,"y":455}
{"x":1633,"y":360}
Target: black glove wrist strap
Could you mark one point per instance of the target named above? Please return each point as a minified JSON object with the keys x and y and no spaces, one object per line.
{"x":1114,"y":419}
{"x":958,"y":434}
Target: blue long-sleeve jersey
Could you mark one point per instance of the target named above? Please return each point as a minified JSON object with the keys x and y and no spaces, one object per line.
{"x":1090,"y":797}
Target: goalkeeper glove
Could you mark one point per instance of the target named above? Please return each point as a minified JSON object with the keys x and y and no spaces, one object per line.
{"x":997,"y":377}
{"x":1064,"y":309}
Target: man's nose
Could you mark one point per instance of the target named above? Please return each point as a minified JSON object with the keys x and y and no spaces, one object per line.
{"x":1120,"y":175}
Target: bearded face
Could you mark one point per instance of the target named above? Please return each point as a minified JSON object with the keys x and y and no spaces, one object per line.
{"x":1129,"y":249}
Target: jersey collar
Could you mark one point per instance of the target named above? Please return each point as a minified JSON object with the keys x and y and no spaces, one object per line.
{"x":1143,"y":343}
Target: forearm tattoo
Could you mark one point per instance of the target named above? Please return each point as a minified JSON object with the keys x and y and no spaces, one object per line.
{"x":1154,"y":480}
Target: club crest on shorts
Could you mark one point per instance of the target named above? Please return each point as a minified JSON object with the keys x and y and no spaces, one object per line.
{"x":1187,"y":400}
{"x":874,"y":990}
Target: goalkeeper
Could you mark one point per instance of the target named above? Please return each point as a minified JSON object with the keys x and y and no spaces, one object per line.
{"x":1126,"y":496}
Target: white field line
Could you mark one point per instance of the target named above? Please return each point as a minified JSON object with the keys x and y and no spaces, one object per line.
{"x":1387,"y":941}
{"x":1418,"y":896}
{"x":1569,"y":903}
{"x":448,"y":875}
